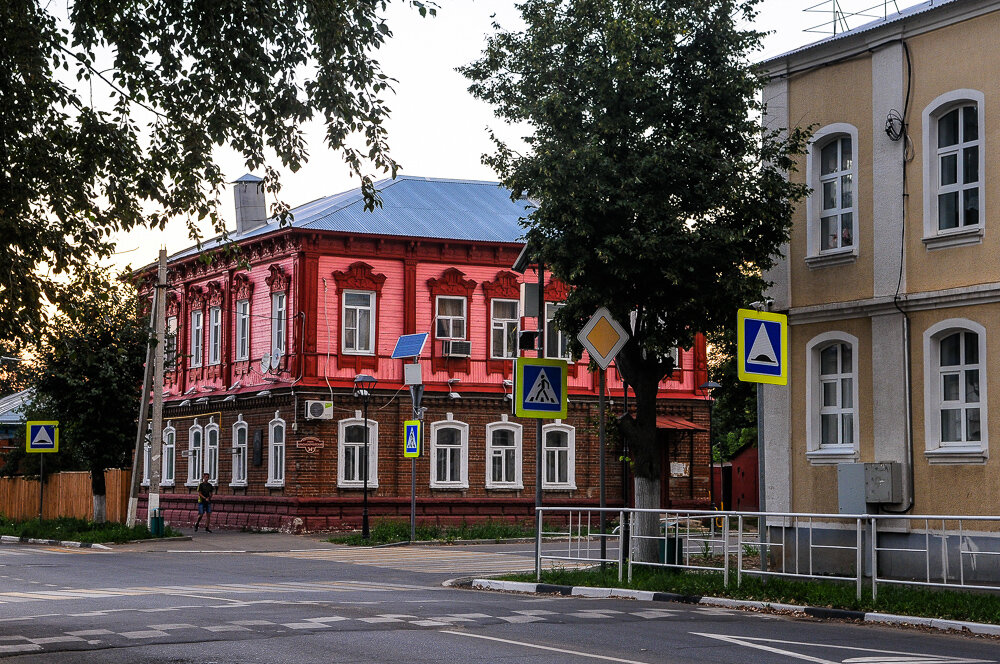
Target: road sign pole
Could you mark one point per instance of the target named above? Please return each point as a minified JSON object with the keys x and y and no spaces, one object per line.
{"x":600,"y":437}
{"x":538,"y":423}
{"x":416,"y":394}
{"x":41,"y":484}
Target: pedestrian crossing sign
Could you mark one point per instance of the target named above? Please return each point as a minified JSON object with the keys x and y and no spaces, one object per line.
{"x":42,"y":437}
{"x":762,"y":347}
{"x":540,"y":388}
{"x":411,"y":439}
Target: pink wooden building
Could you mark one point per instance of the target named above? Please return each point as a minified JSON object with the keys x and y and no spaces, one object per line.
{"x":264,"y":352}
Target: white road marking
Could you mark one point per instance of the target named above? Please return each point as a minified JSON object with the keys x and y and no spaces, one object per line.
{"x":305,"y":625}
{"x":226,"y":628}
{"x":21,"y":647}
{"x":540,"y":647}
{"x":143,"y":634}
{"x":874,"y":656}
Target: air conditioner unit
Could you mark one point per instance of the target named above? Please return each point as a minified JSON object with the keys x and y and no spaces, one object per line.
{"x":456,"y":348}
{"x":319,"y":410}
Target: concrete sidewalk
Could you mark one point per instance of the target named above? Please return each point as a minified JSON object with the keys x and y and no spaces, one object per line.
{"x":219,"y":541}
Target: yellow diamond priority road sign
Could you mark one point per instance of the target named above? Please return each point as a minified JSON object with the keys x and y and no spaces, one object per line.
{"x":603,"y":337}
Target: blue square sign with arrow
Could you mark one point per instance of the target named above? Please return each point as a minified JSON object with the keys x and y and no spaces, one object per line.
{"x":540,"y":388}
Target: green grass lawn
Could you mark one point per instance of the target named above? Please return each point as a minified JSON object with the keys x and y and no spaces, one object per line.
{"x":389,"y":532}
{"x":926,"y":602}
{"x":77,"y":530}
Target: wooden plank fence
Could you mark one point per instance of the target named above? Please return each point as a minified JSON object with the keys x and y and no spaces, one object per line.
{"x":66,"y":494}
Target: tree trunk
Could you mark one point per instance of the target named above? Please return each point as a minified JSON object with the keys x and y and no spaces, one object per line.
{"x":99,"y":491}
{"x":100,"y":509}
{"x":647,"y":526}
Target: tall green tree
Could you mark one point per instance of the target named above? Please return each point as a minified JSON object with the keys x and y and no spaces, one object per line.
{"x":110,"y":115}
{"x":87,"y":374}
{"x":658,"y":193}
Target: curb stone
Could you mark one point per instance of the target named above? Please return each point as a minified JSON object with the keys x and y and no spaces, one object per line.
{"x":814,"y":611}
{"x":10,"y":539}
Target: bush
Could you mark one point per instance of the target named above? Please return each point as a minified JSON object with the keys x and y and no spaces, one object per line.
{"x":77,"y":530}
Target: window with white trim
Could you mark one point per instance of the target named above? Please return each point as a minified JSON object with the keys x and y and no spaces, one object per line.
{"x":503,"y":455}
{"x":214,"y":335}
{"x":831,"y":398}
{"x":212,"y":452}
{"x":276,"y":452}
{"x":279,"y":320}
{"x":450,"y":317}
{"x":195,"y":439}
{"x":351,"y":453}
{"x":359,"y":322}
{"x":242,"y":330}
{"x":449,"y":454}
{"x":954,"y":166}
{"x":556,"y":342}
{"x":197,"y":337}
{"x":504,"y":329}
{"x":955,"y":392}
{"x":239,"y":452}
{"x":168,"y":455}
{"x":558,"y":456}
{"x":147,"y":459}
{"x":832,"y":208}
{"x":170,"y":345}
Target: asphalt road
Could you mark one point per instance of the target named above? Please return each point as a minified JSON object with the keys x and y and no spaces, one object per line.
{"x":275,"y":598}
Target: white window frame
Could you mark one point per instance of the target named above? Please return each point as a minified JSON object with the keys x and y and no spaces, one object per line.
{"x":195,"y":454}
{"x":570,"y":456}
{"x":516,"y":429}
{"x":551,"y":331}
{"x":450,"y":423}
{"x":239,"y":452}
{"x":242,"y":330}
{"x":815,"y":256}
{"x":197,"y":337}
{"x":342,"y":444}
{"x":499,"y":326}
{"x":211,"y":451}
{"x":464,"y":317}
{"x":170,"y":345}
{"x":276,"y":452}
{"x":169,"y":440}
{"x":147,"y":459}
{"x":279,"y":322}
{"x":214,"y":335}
{"x":943,"y":452}
{"x":963,"y":235}
{"x":371,"y":308}
{"x":816,"y":452}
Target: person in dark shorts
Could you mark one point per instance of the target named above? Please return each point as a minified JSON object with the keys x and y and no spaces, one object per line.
{"x":205,"y":490}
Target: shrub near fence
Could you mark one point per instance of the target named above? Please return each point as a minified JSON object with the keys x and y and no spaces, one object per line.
{"x":67,"y":494}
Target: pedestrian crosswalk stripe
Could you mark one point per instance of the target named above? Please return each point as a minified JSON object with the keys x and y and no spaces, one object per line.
{"x":423,"y":559}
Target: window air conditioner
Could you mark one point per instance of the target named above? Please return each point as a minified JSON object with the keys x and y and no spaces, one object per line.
{"x":319,"y":410}
{"x":456,"y":348}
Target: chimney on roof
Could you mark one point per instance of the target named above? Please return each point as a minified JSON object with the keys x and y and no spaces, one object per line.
{"x":251,"y":211}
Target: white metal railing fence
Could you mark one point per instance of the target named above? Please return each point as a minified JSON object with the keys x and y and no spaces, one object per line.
{"x":921,"y":550}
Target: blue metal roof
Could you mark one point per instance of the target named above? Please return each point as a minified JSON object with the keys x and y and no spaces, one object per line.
{"x":11,"y":407}
{"x":412,"y":206}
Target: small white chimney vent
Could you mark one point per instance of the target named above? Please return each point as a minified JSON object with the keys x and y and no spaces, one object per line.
{"x":251,"y":211}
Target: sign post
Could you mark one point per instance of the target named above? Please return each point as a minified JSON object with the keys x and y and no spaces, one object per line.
{"x":410,"y":346}
{"x":42,"y":438}
{"x":762,"y":358}
{"x":603,"y":337}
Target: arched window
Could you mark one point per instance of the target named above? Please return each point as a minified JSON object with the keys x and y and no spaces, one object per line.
{"x":832,"y":211}
{"x":955,"y":392}
{"x":212,"y":451}
{"x":351,"y":453}
{"x":195,"y":436}
{"x":449,"y":454}
{"x":503,"y":455}
{"x":832,"y":397}
{"x":276,"y":452}
{"x":558,"y":456}
{"x":954,"y":162}
{"x":239,"y":453}
{"x":168,"y":455}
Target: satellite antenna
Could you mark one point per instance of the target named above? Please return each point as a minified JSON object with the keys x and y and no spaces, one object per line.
{"x":265,"y":362}
{"x":275,"y":359}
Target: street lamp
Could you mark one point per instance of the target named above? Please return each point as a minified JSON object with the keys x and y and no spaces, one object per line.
{"x":707,"y":388}
{"x":363,"y":385}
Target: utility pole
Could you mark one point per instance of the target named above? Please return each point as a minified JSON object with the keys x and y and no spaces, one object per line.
{"x":156,"y":439}
{"x":140,"y":436}
{"x":538,"y":422}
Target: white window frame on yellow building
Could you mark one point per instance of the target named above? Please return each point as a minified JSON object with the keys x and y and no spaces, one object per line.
{"x":815,"y":256}
{"x":816,"y":451}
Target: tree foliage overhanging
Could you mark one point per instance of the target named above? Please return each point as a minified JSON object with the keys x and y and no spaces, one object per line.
{"x":659,"y":195}
{"x":87,"y":375}
{"x":109,"y":117}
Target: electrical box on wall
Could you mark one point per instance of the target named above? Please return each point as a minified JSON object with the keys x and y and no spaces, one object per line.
{"x":851,"y":488}
{"x":883,"y":482}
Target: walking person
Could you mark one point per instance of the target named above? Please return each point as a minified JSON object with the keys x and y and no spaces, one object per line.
{"x":205,"y":490}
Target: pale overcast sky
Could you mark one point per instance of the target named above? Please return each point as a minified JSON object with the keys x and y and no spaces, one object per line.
{"x":437,"y":129}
